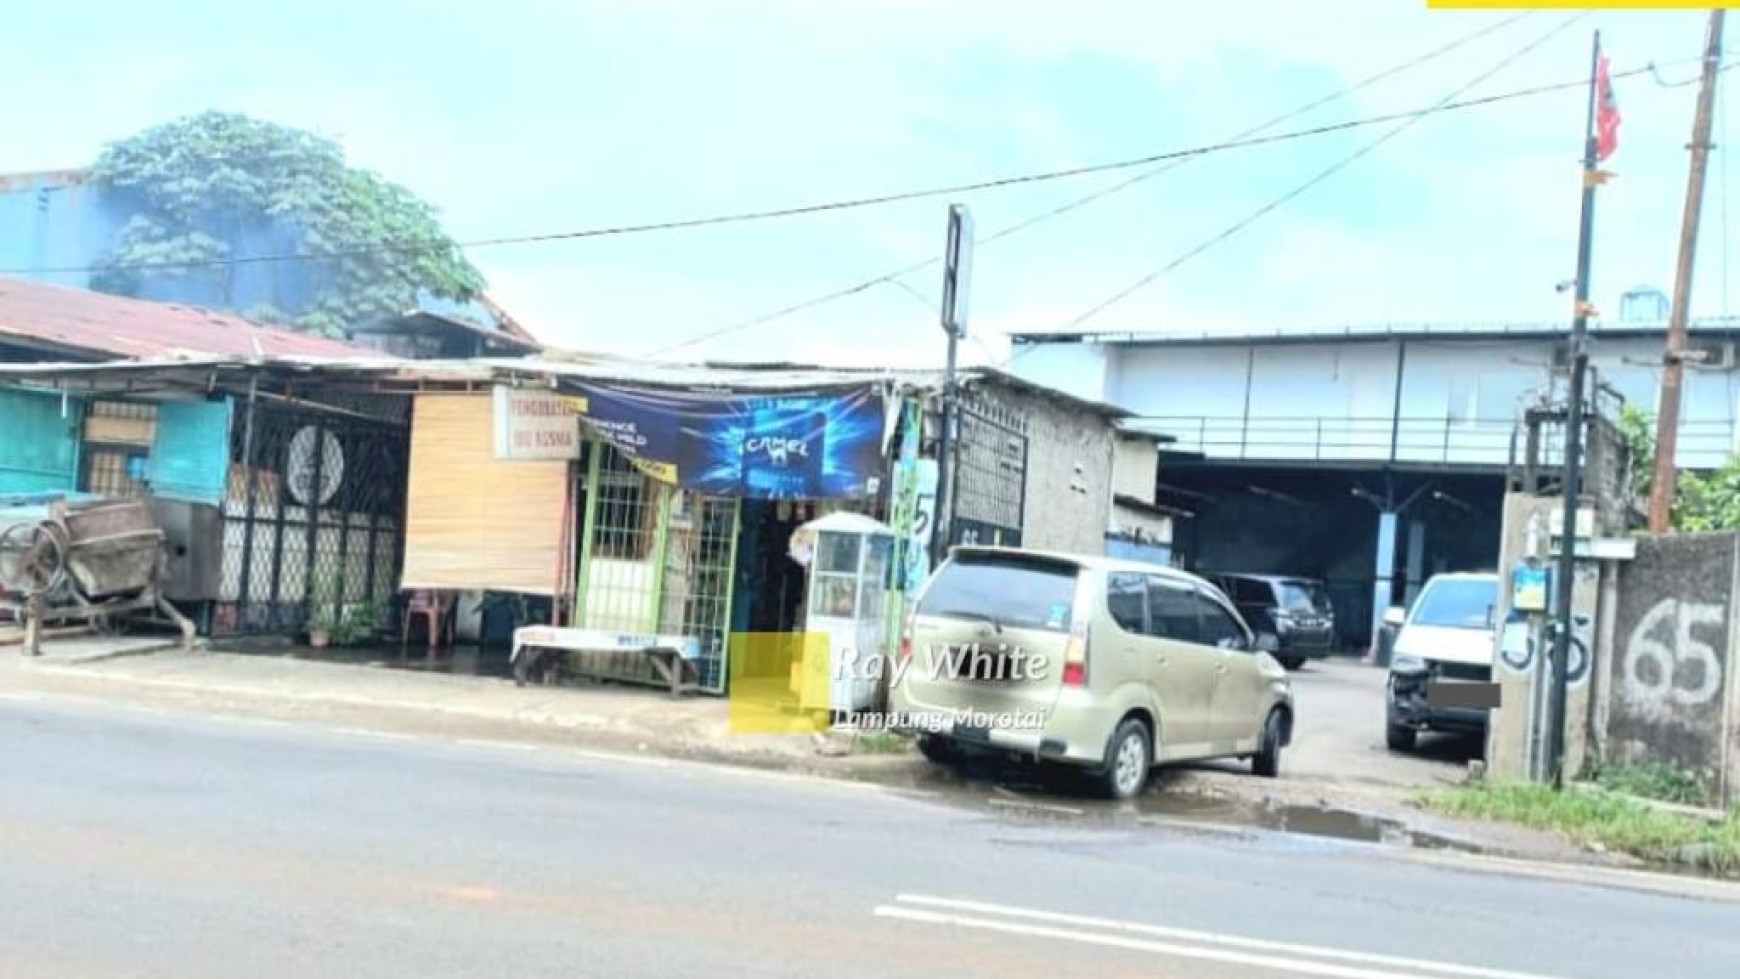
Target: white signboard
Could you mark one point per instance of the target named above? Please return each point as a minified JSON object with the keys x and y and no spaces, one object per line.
{"x":957,"y":270}
{"x":532,"y":424}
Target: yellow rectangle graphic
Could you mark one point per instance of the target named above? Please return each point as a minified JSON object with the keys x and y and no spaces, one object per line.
{"x":1580,"y":5}
{"x":780,"y":683}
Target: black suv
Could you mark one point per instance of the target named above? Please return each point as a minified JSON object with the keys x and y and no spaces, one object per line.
{"x":1296,"y":611}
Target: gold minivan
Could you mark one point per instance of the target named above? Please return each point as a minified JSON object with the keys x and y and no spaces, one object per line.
{"x":1113,"y":666}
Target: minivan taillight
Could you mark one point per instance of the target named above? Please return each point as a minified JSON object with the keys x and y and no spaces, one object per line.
{"x":1075,"y":657}
{"x":906,"y":642}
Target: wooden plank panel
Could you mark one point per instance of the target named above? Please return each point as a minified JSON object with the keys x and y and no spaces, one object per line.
{"x":130,"y":431}
{"x":473,"y":521}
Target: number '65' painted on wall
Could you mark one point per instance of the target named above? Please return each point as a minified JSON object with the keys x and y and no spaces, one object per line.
{"x":1678,"y":668}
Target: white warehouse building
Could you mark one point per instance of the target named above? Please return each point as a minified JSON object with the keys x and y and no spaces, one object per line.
{"x":1368,"y":457}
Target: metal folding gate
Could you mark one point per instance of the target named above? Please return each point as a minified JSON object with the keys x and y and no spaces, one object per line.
{"x":990,"y":480}
{"x":654,"y":559}
{"x":313,"y":514}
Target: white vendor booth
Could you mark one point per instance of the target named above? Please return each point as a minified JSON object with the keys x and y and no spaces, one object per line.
{"x":848,"y":557}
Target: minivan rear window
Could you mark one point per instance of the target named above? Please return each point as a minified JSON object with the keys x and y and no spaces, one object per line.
{"x":1012,"y":591}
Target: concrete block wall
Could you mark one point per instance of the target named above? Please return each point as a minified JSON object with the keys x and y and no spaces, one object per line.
{"x":1069,"y":476}
{"x":1135,"y":467}
{"x":1673,"y":694}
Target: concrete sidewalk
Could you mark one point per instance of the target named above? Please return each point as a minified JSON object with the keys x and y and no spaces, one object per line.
{"x":285,"y":687}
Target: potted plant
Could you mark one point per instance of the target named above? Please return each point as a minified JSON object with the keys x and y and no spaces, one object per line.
{"x":358,"y":624}
{"x":321,"y":627}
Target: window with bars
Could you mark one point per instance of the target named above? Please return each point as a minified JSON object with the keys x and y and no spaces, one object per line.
{"x":627,"y":510}
{"x":117,"y":446}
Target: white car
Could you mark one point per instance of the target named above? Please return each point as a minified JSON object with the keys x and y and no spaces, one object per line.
{"x":1449,"y":635}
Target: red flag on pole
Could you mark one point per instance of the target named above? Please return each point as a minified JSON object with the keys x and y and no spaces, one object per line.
{"x":1607,"y":117}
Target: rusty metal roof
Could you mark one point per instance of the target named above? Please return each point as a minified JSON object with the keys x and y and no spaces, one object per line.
{"x":550,"y":369}
{"x":78,"y":324}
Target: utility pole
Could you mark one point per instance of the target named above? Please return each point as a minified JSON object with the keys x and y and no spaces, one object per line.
{"x":957,"y":285}
{"x":1571,"y":483}
{"x":1667,"y":425}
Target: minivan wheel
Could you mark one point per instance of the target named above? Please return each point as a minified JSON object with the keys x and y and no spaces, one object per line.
{"x":1400,"y":737}
{"x":935,"y":750}
{"x":1129,"y":755}
{"x":1267,"y":761}
{"x":1291,"y":663}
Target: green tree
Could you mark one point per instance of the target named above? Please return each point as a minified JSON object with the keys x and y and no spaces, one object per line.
{"x":196,"y":187}
{"x":1702,"y":501}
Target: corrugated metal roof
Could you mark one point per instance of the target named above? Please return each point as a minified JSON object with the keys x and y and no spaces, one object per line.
{"x":1718,"y":325}
{"x":79,"y":323}
{"x":552,"y":370}
{"x":480,"y":369}
{"x":479,"y":314}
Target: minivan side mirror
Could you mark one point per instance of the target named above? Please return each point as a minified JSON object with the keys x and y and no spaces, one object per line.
{"x":1395,"y":615}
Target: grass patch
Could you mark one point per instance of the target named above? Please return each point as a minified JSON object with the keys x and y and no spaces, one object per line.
{"x":1615,"y":822}
{"x":1656,"y":781}
{"x":880,"y":743}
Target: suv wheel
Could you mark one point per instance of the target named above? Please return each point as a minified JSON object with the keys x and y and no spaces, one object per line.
{"x":1267,"y":761}
{"x":1400,"y":737}
{"x":1129,"y":755}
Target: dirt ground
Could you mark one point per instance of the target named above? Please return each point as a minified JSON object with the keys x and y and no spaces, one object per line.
{"x":1338,"y":746}
{"x":1340,"y":733}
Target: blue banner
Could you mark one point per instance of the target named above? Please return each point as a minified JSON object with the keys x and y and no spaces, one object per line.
{"x":819,"y":444}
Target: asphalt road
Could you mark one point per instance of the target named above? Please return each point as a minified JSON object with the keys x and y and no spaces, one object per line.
{"x":163,"y":845}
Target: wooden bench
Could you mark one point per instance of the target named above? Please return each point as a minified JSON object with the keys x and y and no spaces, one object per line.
{"x":672,"y":656}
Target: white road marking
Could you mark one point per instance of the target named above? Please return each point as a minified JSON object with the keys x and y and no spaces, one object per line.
{"x":620,"y":758}
{"x":1284,"y":956}
{"x":486,"y":743}
{"x":363,"y":732}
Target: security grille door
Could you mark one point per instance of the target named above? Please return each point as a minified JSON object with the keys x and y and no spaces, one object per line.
{"x":312,"y":513}
{"x":990,"y":481}
{"x":700,"y":554}
{"x":655,"y":559}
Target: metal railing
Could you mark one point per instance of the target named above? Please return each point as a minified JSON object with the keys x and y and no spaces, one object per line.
{"x":1704,"y":443}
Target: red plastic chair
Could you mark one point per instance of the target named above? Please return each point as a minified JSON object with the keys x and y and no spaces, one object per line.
{"x":434,"y":609}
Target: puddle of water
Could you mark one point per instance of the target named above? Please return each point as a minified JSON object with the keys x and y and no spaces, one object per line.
{"x":1034,"y":794}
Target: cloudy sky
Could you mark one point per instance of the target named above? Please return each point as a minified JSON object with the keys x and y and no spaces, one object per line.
{"x":531,"y":116}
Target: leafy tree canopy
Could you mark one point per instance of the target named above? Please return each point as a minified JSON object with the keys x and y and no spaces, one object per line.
{"x":1702,"y":501}
{"x":224,"y":186}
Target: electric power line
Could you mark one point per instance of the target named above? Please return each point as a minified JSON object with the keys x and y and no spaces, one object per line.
{"x":894,"y":276}
{"x":1322,"y":175}
{"x":888,"y":277}
{"x":802,"y":210}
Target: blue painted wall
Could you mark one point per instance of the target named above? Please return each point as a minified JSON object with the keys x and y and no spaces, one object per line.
{"x":56,"y":220}
{"x":51,"y":221}
{"x":40,"y":450}
{"x":190,"y":455}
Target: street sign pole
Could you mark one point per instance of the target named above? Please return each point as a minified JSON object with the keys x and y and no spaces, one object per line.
{"x":957,"y":284}
{"x":1571,"y":483}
